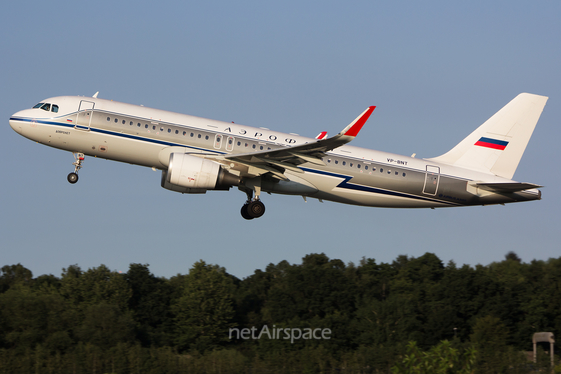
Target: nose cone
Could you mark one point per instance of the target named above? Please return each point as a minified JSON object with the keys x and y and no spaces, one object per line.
{"x":14,"y":124}
{"x":17,"y":120}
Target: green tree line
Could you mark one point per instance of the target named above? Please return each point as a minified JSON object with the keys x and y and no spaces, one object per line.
{"x":413,"y":315}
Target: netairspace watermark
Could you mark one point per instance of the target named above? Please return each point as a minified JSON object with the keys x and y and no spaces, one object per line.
{"x":279,"y":333}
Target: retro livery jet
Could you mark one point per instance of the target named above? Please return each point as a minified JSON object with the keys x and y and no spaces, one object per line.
{"x":196,"y":155}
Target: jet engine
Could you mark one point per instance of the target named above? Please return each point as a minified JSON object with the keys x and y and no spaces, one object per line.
{"x":190,"y":174}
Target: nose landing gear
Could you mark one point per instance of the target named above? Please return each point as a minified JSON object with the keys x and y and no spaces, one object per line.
{"x":72,"y":178}
{"x":78,"y":159}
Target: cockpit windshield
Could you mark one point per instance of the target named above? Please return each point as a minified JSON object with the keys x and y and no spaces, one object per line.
{"x":47,"y":107}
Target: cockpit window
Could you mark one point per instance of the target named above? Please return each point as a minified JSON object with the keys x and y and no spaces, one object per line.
{"x":46,"y":106}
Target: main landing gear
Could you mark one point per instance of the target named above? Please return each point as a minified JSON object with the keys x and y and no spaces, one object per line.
{"x":253,"y":207}
{"x":78,"y":159}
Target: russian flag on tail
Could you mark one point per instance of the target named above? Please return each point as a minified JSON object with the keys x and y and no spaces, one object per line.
{"x":491,"y":143}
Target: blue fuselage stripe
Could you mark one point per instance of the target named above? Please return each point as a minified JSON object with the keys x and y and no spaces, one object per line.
{"x":358,"y":187}
{"x":113,"y":133}
{"x":345,"y":184}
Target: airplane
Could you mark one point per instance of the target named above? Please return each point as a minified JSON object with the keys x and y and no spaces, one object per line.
{"x":197,"y":155}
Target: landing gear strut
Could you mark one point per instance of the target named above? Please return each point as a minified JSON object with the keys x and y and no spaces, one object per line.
{"x":78,"y":159}
{"x":253,"y":207}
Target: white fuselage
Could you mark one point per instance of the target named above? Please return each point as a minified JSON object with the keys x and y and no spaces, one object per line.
{"x":352,"y":175}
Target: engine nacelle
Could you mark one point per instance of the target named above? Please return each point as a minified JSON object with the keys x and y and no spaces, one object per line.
{"x":190,"y":174}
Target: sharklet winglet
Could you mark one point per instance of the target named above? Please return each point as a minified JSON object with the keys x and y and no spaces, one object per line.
{"x":354,"y":128}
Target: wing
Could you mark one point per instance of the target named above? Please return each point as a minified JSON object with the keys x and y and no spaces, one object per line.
{"x":288,"y":158}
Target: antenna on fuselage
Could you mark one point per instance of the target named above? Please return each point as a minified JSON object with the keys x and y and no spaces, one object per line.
{"x":95,"y":95}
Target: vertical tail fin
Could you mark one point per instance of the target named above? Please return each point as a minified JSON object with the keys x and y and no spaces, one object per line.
{"x":498,"y":145}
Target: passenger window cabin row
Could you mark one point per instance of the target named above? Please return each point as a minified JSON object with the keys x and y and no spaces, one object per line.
{"x":364,"y":167}
{"x":254,"y":146}
{"x":260,"y":147}
{"x":157,"y":128}
{"x":169,"y":130}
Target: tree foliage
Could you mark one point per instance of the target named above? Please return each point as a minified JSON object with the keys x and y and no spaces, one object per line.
{"x":204,"y":313}
{"x":440,"y":359}
{"x":413,"y":315}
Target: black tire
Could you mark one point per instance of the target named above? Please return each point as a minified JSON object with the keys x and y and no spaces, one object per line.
{"x":72,"y":178}
{"x":256,"y":209}
{"x":245,"y":213}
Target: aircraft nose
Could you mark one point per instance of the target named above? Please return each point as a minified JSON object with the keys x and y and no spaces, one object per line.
{"x":19,"y":119}
{"x":14,"y":125}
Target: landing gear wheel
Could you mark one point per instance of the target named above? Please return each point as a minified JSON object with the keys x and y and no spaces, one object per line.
{"x":245,"y":213}
{"x":72,"y":178}
{"x":253,"y":209}
{"x":256,"y":209}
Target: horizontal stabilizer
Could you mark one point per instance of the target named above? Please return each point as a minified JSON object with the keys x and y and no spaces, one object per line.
{"x":507,"y":187}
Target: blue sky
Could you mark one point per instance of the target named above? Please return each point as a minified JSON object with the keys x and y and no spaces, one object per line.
{"x":436,"y":70}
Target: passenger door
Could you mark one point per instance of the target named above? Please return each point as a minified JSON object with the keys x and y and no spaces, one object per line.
{"x":85,"y":114}
{"x":432,"y":178}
